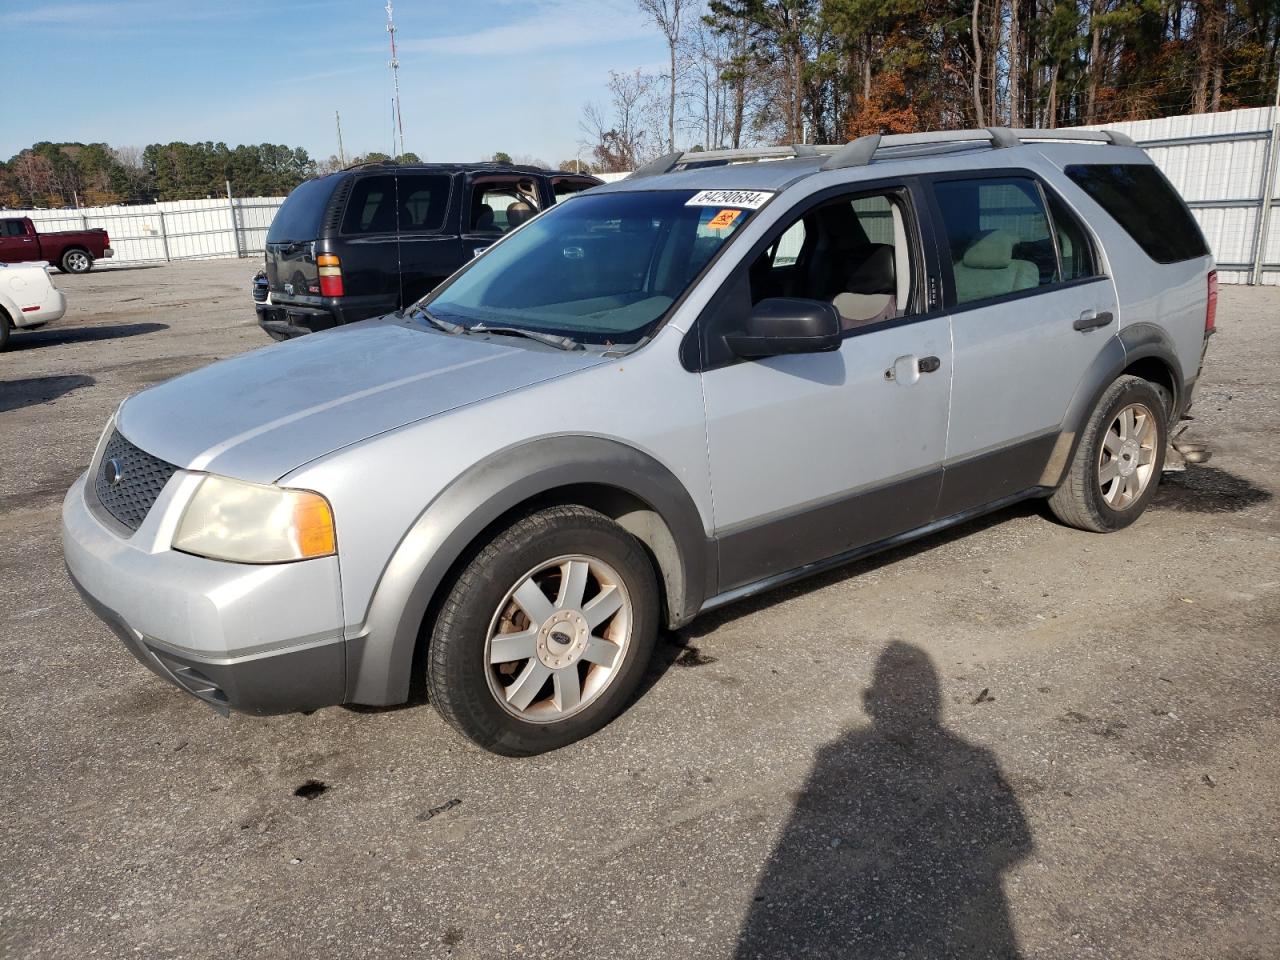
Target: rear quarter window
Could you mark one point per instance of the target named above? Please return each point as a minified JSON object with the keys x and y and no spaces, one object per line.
{"x":1145,"y":204}
{"x":298,"y":219}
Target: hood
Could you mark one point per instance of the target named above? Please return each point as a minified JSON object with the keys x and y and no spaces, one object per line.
{"x":260,"y":415}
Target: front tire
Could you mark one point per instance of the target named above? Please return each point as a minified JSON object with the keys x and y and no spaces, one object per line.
{"x":545,"y":634}
{"x":76,"y":261}
{"x":1117,"y":464}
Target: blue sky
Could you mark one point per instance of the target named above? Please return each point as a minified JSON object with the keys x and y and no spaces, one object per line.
{"x":476,"y":76}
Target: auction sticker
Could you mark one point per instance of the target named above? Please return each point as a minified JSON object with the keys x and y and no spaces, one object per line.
{"x":748,"y":199}
{"x":723,"y":219}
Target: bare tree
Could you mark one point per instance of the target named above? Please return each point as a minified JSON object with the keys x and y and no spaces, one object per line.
{"x":705,"y":56}
{"x":666,"y":16}
{"x":618,"y":138}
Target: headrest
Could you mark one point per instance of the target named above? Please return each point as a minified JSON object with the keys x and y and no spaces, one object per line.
{"x":875,"y":273}
{"x":518,"y":213}
{"x":991,"y":251}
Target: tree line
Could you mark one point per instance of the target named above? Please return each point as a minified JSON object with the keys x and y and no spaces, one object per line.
{"x":95,"y":174}
{"x":744,"y":72}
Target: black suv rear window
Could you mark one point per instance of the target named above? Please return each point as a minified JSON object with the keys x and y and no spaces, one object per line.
{"x":298,"y":219}
{"x":1143,"y":202}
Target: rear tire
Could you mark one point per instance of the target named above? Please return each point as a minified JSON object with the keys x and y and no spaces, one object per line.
{"x":1117,"y":464}
{"x":521,"y":658}
{"x":76,"y":261}
{"x":5,"y":327}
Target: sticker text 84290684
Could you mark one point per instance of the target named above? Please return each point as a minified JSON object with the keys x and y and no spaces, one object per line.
{"x":748,"y":199}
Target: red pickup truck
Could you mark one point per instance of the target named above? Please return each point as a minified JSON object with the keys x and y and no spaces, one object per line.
{"x":73,"y":251}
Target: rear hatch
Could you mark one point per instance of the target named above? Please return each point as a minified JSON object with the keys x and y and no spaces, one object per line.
{"x":304,"y":217}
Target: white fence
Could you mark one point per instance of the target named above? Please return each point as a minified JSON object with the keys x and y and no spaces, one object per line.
{"x":180,"y":230}
{"x":1218,"y":161}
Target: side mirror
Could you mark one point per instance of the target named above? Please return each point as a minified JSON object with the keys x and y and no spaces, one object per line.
{"x":782,"y":325}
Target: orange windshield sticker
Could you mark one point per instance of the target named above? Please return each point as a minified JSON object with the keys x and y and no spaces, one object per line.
{"x":723,"y":219}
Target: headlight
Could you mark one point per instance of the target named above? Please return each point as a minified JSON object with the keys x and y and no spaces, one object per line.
{"x":255,"y":523}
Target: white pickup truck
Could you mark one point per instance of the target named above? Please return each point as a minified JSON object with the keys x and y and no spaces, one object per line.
{"x":28,"y":298}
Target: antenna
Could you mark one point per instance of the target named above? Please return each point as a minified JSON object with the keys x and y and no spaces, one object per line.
{"x":342,"y":157}
{"x":394,"y":63}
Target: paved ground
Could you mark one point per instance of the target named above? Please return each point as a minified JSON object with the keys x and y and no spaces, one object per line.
{"x":1014,"y":739}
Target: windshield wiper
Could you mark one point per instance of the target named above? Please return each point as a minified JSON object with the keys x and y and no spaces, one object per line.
{"x":550,"y":339}
{"x":439,"y":324}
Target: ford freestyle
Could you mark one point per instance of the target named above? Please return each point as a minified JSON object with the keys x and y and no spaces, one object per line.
{"x":652,"y":399}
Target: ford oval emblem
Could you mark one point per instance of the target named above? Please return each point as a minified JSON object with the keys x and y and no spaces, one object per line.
{"x":113,"y":471}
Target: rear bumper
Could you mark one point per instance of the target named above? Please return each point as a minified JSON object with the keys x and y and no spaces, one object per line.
{"x":292,"y":320}
{"x":52,"y":308}
{"x":258,"y":639}
{"x":107,"y":253}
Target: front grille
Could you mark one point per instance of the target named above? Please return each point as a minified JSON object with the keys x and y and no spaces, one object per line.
{"x":139,"y":477}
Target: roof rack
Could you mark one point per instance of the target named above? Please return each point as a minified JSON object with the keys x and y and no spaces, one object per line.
{"x":860,"y":152}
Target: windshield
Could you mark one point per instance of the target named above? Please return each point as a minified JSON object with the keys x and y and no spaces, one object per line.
{"x":600,"y":268}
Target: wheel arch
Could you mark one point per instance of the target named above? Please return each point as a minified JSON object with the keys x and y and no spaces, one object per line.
{"x":623,"y":483}
{"x":1141,"y":349}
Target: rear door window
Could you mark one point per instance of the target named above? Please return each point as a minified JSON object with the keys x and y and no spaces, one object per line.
{"x":1141,"y":200}
{"x":371,"y":208}
{"x":1074,"y":244}
{"x":998,"y":234}
{"x":424,"y":198}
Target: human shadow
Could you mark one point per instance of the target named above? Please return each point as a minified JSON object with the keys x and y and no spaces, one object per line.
{"x":898,"y":841}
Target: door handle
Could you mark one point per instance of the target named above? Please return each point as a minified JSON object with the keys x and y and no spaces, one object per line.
{"x":1092,"y":319}
{"x":906,"y":370}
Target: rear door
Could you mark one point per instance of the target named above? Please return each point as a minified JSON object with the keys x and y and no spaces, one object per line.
{"x":429,"y":249}
{"x":1029,"y":313}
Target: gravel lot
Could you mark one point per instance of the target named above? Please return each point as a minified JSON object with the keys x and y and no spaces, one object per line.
{"x":1014,"y":739}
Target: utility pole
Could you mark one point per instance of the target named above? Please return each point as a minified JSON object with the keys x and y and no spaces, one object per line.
{"x":394,"y":63}
{"x":342,"y":157}
{"x":1269,"y":167}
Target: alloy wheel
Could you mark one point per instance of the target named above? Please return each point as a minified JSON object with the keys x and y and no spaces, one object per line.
{"x":1126,"y":460}
{"x":558,"y":638}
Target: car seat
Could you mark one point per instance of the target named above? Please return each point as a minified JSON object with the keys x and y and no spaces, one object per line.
{"x":870,"y":292}
{"x":518,"y":212}
{"x":484,"y":220}
{"x":987,"y":268}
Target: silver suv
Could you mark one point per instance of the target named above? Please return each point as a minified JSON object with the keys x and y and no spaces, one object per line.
{"x":653,"y":399}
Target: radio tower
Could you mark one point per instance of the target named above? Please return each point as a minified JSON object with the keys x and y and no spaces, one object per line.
{"x":394,"y":63}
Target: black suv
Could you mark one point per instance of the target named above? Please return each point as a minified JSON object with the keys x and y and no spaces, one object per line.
{"x":373,"y":238}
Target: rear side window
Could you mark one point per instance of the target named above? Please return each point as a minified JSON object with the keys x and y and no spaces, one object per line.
{"x":298,"y":219}
{"x":1142,"y":201}
{"x":998,"y":234}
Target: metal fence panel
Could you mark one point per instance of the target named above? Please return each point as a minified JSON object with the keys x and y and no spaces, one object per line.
{"x":1218,"y":162}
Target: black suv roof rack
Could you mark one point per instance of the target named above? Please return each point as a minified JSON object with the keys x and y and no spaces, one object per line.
{"x":860,"y":152}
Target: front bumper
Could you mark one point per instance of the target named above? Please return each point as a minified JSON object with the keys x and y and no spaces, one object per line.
{"x":258,"y":639}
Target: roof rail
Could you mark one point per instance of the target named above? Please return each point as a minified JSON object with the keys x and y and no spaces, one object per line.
{"x":861,"y":151}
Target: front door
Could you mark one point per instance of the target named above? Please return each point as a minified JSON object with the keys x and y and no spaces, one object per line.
{"x":819,"y":454}
{"x":1029,"y":313}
